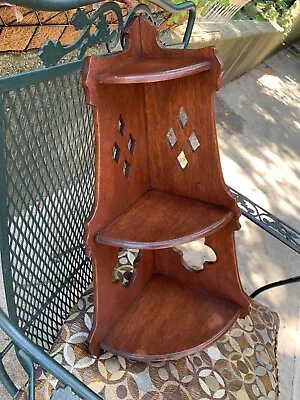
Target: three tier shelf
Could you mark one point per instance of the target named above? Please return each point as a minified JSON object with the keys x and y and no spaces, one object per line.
{"x":159,"y":184}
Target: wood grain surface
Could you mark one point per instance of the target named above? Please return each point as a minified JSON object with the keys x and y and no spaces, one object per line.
{"x":169,"y":321}
{"x":153,"y":70}
{"x":158,"y":182}
{"x":159,"y":220}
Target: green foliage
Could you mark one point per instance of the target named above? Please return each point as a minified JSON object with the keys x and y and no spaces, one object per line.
{"x":224,"y":3}
{"x":271,"y":10}
{"x":201,"y":5}
{"x":261,"y":10}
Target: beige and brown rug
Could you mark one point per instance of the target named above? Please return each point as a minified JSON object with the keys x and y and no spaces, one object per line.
{"x":241,"y":365}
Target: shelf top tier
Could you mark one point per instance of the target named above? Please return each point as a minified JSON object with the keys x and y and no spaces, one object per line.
{"x":159,"y":220}
{"x":143,"y":70}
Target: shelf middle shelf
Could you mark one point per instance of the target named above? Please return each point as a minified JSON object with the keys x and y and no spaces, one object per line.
{"x":159,"y":220}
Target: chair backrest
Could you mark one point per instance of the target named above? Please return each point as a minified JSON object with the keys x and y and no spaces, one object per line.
{"x":47,"y":172}
{"x":47,"y":175}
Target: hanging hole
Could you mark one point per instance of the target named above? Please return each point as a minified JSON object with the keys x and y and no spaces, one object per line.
{"x":182,"y":118}
{"x":121,"y":125}
{"x":171,"y":138}
{"x":131,"y":144}
{"x":182,"y":161}
{"x":125,"y":270}
{"x":193,"y":142}
{"x":126,"y":169}
{"x":116,"y":152}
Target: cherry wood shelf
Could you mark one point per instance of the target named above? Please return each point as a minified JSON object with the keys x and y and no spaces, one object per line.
{"x":153,"y":70}
{"x":159,"y":184}
{"x":184,"y":319}
{"x":158,"y":220}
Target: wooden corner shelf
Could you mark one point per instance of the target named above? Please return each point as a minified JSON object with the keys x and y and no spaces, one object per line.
{"x":183,"y":318}
{"x":153,"y":70}
{"x":159,"y":184}
{"x":158,"y":220}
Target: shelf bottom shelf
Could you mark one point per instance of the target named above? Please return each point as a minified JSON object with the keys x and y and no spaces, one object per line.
{"x":169,"y":321}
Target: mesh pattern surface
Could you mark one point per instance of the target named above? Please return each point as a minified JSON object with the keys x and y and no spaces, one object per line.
{"x":49,"y":177}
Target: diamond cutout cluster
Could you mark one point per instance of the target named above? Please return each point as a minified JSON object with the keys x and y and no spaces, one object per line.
{"x":192,"y":141}
{"x":116,"y":150}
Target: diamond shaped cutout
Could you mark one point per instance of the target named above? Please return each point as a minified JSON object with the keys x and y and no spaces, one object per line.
{"x":193,"y":142}
{"x":121,"y":125}
{"x":131,"y":144}
{"x":182,"y":161}
{"x":171,"y":138}
{"x":182,"y":118}
{"x":126,"y":169}
{"x":116,"y":152}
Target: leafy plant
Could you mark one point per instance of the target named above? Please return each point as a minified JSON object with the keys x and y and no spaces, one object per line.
{"x":201,"y":5}
{"x":271,"y":10}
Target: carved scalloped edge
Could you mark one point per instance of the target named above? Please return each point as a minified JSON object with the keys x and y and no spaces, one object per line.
{"x":134,"y":266}
{"x":195,"y":267}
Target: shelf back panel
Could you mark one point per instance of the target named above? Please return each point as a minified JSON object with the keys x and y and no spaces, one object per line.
{"x":183,"y":150}
{"x":122,"y":172}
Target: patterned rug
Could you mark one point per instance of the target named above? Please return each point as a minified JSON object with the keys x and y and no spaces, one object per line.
{"x":241,"y":365}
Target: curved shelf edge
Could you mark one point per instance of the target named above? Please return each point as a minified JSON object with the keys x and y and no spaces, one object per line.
{"x":110,"y":241}
{"x":153,"y":70}
{"x":190,"y":319}
{"x":177,"y":355}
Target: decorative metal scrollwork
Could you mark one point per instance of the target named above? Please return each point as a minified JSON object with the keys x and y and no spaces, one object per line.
{"x":53,"y":51}
{"x":64,"y":394}
{"x":268,"y":221}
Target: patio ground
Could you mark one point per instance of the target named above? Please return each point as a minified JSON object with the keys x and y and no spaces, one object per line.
{"x":259,"y":135}
{"x":258,"y":122}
